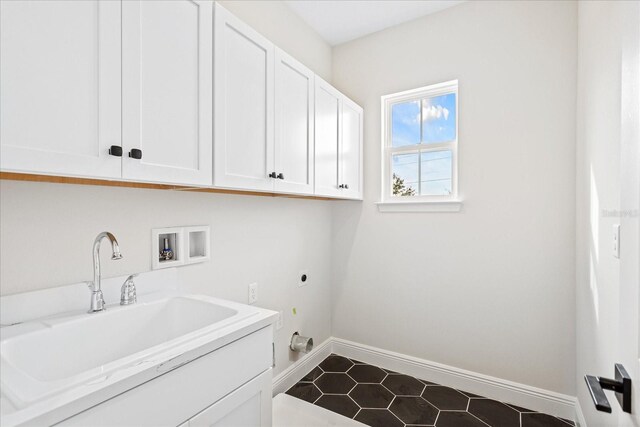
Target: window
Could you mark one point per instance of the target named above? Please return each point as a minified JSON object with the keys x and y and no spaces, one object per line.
{"x":420,"y":145}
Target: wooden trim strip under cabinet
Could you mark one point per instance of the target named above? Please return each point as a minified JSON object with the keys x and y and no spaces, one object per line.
{"x":13,"y":176}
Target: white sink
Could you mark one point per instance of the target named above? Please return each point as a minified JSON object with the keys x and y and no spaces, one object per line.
{"x":46,"y":357}
{"x":95,"y":340}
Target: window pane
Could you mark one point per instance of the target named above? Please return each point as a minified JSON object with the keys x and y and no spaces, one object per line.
{"x":405,"y":124}
{"x":405,"y":174}
{"x":435,"y":171}
{"x":439,"y":118}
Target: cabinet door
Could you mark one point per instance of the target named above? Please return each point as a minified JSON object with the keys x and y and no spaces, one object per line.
{"x":167,"y":54}
{"x":60,"y":87}
{"x":351,"y":150}
{"x":327,"y":118}
{"x":243,"y":105}
{"x":293,"y":125}
{"x":250,"y":405}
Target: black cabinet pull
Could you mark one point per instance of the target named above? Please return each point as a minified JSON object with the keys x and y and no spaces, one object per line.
{"x":280,"y":176}
{"x":272,"y":175}
{"x":115,"y":150}
{"x":621,"y":385}
{"x":346,"y":187}
{"x":341,"y":186}
{"x":135,"y":153}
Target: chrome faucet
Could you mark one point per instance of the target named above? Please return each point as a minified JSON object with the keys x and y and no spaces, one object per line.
{"x":128,"y":291}
{"x":97,"y":299}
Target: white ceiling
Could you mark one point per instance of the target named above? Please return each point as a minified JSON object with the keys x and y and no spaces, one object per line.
{"x":339,"y":21}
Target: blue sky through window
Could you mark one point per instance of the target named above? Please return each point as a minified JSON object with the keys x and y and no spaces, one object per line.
{"x":405,"y":167}
{"x":438,"y":121}
{"x":439,"y":118}
{"x":416,"y":126}
{"x":435,"y":172}
{"x":405,"y":128}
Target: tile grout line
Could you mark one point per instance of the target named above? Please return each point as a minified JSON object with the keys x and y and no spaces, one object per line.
{"x":437,"y":416}
{"x":372,"y":393}
{"x":473,"y":415}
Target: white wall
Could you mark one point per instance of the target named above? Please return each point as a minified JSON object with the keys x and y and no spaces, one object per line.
{"x":282,"y":26}
{"x":605,"y":304}
{"x":490,"y":289}
{"x":48,"y":229}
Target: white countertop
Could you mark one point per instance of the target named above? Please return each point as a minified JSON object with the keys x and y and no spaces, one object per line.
{"x":60,"y":400}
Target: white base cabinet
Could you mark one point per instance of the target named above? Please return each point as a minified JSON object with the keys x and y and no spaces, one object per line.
{"x":228,"y":387}
{"x":250,"y":405}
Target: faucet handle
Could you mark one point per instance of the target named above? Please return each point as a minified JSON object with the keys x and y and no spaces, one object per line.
{"x":128,"y":291}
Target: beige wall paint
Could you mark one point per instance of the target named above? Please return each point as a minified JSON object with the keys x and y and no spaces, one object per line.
{"x":278,"y":23}
{"x":48,"y":230}
{"x":490,"y":289}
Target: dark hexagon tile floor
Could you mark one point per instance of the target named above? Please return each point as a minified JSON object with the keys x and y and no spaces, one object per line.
{"x":379,"y":397}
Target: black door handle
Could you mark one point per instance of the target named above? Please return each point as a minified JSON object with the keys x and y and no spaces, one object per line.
{"x":341,"y":186}
{"x":115,"y":150}
{"x":280,"y":176}
{"x":621,"y":385}
{"x":135,"y":153}
{"x":272,"y":175}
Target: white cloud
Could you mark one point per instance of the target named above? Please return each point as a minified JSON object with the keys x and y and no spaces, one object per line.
{"x":432,"y":112}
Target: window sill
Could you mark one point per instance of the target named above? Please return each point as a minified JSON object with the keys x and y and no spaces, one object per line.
{"x":421,"y":206}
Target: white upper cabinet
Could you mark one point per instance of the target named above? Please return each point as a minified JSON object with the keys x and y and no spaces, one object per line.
{"x":167,"y":91}
{"x":338,"y":144}
{"x":327,"y":144}
{"x":243,"y":105}
{"x":294,"y":148}
{"x":60,"y":87}
{"x":178,"y":92}
{"x":351,"y":150}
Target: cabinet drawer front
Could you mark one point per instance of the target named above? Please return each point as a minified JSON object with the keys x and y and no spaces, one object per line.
{"x":175,"y":397}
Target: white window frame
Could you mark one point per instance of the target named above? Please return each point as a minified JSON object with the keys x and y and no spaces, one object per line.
{"x":438,"y":203}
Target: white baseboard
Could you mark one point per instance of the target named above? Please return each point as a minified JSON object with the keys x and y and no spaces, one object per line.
{"x":534,"y":398}
{"x":287,"y":378}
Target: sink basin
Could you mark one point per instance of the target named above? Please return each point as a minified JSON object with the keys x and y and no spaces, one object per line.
{"x":58,"y":353}
{"x":78,"y":346}
{"x":56,"y":360}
